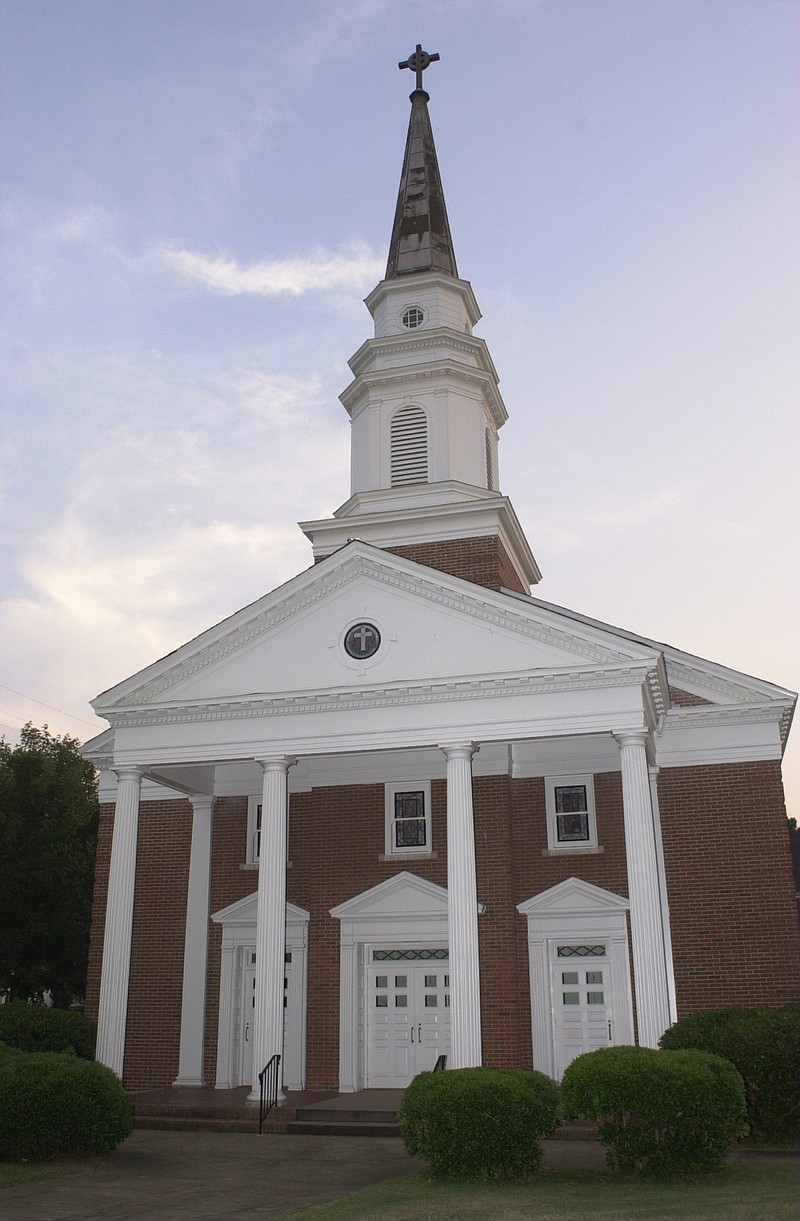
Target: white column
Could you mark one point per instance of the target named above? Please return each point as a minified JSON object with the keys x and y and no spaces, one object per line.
{"x":195,"y":946}
{"x":113,"y":1009}
{"x":647,"y":939}
{"x":271,"y":919}
{"x":462,"y":911}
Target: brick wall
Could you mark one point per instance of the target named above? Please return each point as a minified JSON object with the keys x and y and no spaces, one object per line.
{"x":734,"y":928}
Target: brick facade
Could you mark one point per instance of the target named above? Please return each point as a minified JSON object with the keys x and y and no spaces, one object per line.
{"x":729,"y":878}
{"x":484,"y":561}
{"x":735,"y":935}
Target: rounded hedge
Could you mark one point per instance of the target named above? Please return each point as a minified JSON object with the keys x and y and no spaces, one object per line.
{"x":764,"y":1044}
{"x":659,"y":1112}
{"x":57,"y":1105}
{"x":40,"y":1028}
{"x":479,"y":1123}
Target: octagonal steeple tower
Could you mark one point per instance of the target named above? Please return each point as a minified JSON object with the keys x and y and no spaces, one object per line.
{"x":424,"y":403}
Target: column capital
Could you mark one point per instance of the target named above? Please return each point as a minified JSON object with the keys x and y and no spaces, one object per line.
{"x":276,"y":763}
{"x":631,"y":737}
{"x":202,"y":801}
{"x":459,"y":750}
{"x":128,"y":771}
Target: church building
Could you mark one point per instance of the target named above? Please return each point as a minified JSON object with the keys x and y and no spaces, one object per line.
{"x":401,"y":808}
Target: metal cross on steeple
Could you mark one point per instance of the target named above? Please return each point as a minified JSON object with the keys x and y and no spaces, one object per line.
{"x":418,"y":62}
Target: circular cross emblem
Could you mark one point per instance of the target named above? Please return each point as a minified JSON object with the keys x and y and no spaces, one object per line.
{"x":362,"y":640}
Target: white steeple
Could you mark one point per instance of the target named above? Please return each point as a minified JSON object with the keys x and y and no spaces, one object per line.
{"x":424,"y":402}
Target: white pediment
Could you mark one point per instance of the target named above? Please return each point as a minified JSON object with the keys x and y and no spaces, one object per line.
{"x":573,"y":897}
{"x":433,"y":627}
{"x":402,"y":895}
{"x":243,"y":912}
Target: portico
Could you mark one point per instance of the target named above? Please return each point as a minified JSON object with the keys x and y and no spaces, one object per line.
{"x":564,"y":718}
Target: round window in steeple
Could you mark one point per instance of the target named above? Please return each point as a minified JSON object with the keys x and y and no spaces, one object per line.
{"x":412,"y":317}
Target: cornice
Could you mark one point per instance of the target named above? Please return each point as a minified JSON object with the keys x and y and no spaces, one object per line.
{"x":421,"y":341}
{"x":715,"y":715}
{"x":485,"y":514}
{"x":402,"y":286}
{"x":682,"y":675}
{"x":415,"y":374}
{"x":480,"y":687}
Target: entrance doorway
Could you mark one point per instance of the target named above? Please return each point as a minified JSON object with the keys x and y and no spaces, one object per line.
{"x":237,"y":995}
{"x":408,"y":1023}
{"x":581,"y":1000}
{"x":247,"y":993}
{"x":580,"y":979}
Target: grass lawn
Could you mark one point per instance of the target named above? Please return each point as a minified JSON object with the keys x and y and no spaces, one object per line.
{"x":12,"y":1174}
{"x":746,"y":1192}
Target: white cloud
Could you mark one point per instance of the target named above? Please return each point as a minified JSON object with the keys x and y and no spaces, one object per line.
{"x":354,"y":266}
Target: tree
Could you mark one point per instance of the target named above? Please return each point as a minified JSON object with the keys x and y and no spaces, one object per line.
{"x":48,"y":832}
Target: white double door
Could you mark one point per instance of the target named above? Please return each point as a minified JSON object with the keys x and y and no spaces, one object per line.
{"x":583,"y":1017}
{"x":291,"y":1042}
{"x":407,"y":1019}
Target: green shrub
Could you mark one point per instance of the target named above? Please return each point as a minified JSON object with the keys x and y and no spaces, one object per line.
{"x":764,"y":1044}
{"x":479,"y":1123}
{"x":659,"y":1112}
{"x":39,"y":1028}
{"x":57,"y":1105}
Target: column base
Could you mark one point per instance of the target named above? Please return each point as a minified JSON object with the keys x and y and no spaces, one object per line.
{"x":195,"y":1082}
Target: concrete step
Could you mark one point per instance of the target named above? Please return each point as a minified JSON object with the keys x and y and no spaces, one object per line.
{"x":318,"y":1114}
{"x":340,"y":1127}
{"x":195,"y":1123}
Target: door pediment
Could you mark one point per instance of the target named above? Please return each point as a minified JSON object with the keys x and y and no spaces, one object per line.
{"x":243,"y":912}
{"x":573,"y":897}
{"x":405,"y":894}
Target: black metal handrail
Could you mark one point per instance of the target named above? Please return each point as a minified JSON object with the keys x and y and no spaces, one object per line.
{"x":440,"y":1065}
{"x":268,"y":1090}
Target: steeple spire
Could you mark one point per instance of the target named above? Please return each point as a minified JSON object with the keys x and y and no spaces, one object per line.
{"x":421,"y":238}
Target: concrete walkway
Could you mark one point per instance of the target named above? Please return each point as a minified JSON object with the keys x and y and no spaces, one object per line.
{"x":205,"y":1175}
{"x":221,"y":1176}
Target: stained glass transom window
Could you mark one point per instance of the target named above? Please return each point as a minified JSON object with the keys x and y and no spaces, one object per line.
{"x":409,"y":955}
{"x":581,"y":951}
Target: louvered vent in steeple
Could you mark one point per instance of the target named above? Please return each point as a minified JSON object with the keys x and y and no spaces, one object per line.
{"x":409,"y":447}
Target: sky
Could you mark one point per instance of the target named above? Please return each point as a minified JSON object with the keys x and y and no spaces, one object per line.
{"x":198,"y":194}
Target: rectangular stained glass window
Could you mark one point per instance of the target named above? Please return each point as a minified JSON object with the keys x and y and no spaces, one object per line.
{"x":401,"y":1001}
{"x":409,"y":820}
{"x":381,"y":1002}
{"x":594,"y":977}
{"x":569,"y":977}
{"x":571,"y":998}
{"x":431,"y":1001}
{"x":572,"y":818}
{"x":595,"y":998}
